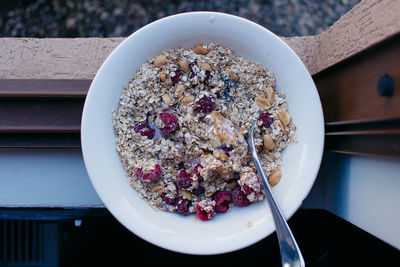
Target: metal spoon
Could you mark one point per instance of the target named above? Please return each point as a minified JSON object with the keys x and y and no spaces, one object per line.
{"x":290,"y":252}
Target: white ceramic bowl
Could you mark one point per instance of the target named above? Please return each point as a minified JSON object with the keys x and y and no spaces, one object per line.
{"x":226,"y":232}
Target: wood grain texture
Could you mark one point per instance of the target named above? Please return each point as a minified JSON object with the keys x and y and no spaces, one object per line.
{"x":349,"y":90}
{"x":369,"y":22}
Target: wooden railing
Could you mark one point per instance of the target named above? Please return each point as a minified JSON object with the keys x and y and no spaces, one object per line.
{"x":43,"y":83}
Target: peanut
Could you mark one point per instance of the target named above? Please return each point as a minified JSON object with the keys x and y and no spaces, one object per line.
{"x":163,"y":76}
{"x":185,"y":194}
{"x":160,"y":60}
{"x":179,"y":90}
{"x":167,"y":99}
{"x":184,"y":65}
{"x":233,"y":76}
{"x":220,"y":155}
{"x":199,"y":49}
{"x":262,"y":102}
{"x":284,"y":117}
{"x":187,"y":100}
{"x":205,"y":66}
{"x":232,"y":185}
{"x":275,"y":177}
{"x":158,"y":189}
{"x":271,"y":95}
{"x":282,"y":127}
{"x":268,"y":143}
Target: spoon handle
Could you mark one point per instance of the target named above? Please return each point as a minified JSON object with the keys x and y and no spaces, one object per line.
{"x":290,"y":252}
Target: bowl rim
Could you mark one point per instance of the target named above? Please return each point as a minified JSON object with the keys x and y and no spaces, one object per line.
{"x":151,"y":238}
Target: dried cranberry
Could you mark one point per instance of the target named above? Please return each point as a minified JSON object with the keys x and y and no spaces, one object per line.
{"x":175,"y":79}
{"x":222,"y":200}
{"x":205,"y":104}
{"x":151,"y":176}
{"x":170,"y":121}
{"x":168,"y":200}
{"x":184,"y":179}
{"x":239,"y":198}
{"x":182,"y":206}
{"x":266,"y":119}
{"x":144,"y":130}
{"x":205,"y":214}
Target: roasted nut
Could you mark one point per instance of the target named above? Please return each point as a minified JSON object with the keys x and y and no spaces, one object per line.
{"x":163,"y":76}
{"x":167,"y":99}
{"x":284,"y":117}
{"x":159,"y":189}
{"x":275,"y":177}
{"x":179,"y":90}
{"x":233,"y":76}
{"x":205,"y":66}
{"x":268,"y":143}
{"x":220,"y":155}
{"x":199,"y":49}
{"x":185,"y":194}
{"x":262,"y":102}
{"x":270,"y":95}
{"x":232,"y":185}
{"x":184,"y":65}
{"x":160,"y":60}
{"x":282,"y":127}
{"x":187,"y":100}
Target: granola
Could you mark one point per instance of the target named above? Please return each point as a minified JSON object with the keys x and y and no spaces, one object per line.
{"x":181,"y":124}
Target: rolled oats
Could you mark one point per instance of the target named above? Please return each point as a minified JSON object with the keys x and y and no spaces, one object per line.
{"x":181,"y":123}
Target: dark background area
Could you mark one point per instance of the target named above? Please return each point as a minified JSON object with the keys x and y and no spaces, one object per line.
{"x":325,"y":240}
{"x":116,"y":18}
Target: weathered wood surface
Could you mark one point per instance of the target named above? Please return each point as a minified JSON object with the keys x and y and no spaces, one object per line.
{"x":368,"y":23}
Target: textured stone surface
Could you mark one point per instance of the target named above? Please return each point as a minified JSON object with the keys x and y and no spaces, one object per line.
{"x":366,"y":24}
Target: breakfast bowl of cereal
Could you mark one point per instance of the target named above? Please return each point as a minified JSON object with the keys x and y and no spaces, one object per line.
{"x":164,"y":132}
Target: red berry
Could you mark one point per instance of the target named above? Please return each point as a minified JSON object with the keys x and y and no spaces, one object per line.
{"x":168,"y":200}
{"x":151,"y":176}
{"x":205,"y":104}
{"x":182,"y":206}
{"x":266,"y":119}
{"x":247,"y":189}
{"x":170,"y":121}
{"x":175,"y":78}
{"x":239,"y":198}
{"x":222,"y":200}
{"x":205,"y":212}
{"x":184,"y":179}
{"x":144,"y":130}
